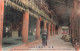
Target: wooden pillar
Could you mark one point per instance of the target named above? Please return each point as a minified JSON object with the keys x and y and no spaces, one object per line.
{"x":48,"y":30}
{"x":38,"y":29}
{"x":45,"y":26}
{"x":52,"y":29}
{"x":75,"y":24}
{"x":25,"y":27}
{"x":59,"y":30}
{"x":79,"y":30}
{"x":1,"y":21}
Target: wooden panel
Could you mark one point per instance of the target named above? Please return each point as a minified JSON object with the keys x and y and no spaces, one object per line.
{"x":14,"y":34}
{"x":75,"y":25}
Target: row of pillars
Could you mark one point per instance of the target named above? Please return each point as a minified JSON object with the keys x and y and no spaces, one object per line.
{"x":26,"y":26}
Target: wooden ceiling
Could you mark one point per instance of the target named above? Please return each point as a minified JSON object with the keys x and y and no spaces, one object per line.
{"x":62,"y":9}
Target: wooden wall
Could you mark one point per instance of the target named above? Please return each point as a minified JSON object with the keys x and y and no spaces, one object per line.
{"x":75,"y":24}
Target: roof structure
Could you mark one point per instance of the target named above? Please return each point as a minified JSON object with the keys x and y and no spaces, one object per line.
{"x":24,"y":5}
{"x":57,"y":10}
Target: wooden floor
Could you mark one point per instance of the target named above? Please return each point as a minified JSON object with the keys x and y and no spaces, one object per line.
{"x":54,"y":44}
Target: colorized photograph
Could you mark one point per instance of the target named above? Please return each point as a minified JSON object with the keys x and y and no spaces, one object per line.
{"x":39,"y":25}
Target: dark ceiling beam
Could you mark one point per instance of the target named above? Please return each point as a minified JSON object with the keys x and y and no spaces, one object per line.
{"x":60,"y":2}
{"x":53,"y":1}
{"x":53,"y":5}
{"x":58,"y":7}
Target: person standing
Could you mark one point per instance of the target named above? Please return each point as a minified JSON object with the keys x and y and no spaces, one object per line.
{"x":44,"y":38}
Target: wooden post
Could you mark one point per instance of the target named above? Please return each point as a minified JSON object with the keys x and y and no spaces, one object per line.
{"x":38,"y":29}
{"x":52,"y":29}
{"x":45,"y":28}
{"x":25,"y":27}
{"x":1,"y":21}
{"x":59,"y":30}
{"x":48,"y":30}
